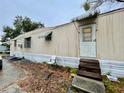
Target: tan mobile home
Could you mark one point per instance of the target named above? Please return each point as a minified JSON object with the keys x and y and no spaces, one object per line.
{"x":94,"y":35}
{"x":62,"y":38}
{"x":42,"y":44}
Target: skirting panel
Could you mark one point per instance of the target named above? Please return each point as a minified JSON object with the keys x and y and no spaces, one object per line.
{"x":60,"y":60}
{"x":114,"y":68}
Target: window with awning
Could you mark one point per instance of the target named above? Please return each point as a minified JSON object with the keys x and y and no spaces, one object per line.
{"x":47,"y":36}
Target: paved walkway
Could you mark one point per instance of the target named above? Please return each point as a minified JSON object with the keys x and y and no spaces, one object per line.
{"x":8,"y":76}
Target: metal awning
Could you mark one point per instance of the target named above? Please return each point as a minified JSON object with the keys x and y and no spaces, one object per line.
{"x":45,"y":34}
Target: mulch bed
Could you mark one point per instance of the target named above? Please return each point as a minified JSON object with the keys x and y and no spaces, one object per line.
{"x":44,"y":78}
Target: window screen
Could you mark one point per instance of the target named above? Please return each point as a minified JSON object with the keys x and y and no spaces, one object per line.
{"x":27,"y":43}
{"x":87,"y":34}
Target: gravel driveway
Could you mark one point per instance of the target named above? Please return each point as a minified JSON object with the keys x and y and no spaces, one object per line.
{"x":9,"y":75}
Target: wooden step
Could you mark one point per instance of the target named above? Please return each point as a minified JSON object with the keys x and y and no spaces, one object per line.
{"x":90,"y":70}
{"x":90,"y":66}
{"x":91,"y":75}
{"x":89,"y":60}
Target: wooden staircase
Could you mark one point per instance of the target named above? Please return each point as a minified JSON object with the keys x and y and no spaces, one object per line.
{"x":89,"y":68}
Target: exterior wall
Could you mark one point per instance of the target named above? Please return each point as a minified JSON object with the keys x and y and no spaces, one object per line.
{"x":64,"y":45}
{"x":109,"y":39}
{"x":64,"y":41}
{"x":110,"y":36}
{"x":87,"y":21}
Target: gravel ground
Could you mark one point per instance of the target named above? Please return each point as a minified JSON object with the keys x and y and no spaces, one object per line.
{"x":10,"y":74}
{"x":44,"y":78}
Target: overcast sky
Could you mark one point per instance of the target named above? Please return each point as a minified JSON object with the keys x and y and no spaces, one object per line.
{"x":49,"y":12}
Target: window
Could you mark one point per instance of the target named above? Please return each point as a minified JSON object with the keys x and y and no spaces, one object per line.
{"x":15,"y":43}
{"x":20,"y":45}
{"x":48,"y":37}
{"x":27,"y":42}
{"x":87,"y":34}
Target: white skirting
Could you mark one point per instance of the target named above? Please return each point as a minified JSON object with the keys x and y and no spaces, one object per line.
{"x":60,"y":60}
{"x":115,"y":68}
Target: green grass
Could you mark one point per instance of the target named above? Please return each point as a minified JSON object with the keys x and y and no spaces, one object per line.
{"x":73,"y":70}
{"x":114,"y":87}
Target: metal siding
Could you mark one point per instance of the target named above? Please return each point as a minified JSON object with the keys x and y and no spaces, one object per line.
{"x":110,"y":36}
{"x":64,"y":42}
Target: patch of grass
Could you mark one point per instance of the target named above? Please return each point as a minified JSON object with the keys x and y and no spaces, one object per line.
{"x":73,"y":70}
{"x":114,"y":87}
{"x":122,"y":80}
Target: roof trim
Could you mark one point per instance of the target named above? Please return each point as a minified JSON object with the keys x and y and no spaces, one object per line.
{"x":103,"y":8}
{"x":96,"y":14}
{"x":42,"y":30}
{"x":120,"y":9}
{"x":86,"y":17}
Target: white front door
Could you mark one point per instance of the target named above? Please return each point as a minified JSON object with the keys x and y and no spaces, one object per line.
{"x":88,"y":41}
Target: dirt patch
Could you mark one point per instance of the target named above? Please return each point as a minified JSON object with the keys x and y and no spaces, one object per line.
{"x":44,"y":78}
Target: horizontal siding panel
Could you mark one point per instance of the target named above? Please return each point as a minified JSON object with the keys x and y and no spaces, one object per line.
{"x":115,"y":68}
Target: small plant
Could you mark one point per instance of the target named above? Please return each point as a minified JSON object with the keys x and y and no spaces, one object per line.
{"x":110,"y":88}
{"x":73,"y":70}
{"x":108,"y":73}
{"x":86,"y":6}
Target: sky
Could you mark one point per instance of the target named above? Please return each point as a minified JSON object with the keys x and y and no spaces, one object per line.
{"x":49,"y":12}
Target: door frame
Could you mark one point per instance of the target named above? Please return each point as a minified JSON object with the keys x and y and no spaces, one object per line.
{"x":93,"y":26}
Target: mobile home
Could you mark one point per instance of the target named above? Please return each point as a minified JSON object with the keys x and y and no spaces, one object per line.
{"x":94,"y":35}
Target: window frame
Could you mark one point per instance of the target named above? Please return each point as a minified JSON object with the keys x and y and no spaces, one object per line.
{"x":83,"y":34}
{"x":27,"y":42}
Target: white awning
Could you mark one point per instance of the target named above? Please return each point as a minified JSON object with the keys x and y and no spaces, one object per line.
{"x":44,"y":34}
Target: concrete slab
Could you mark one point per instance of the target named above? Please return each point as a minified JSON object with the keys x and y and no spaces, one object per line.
{"x":88,"y":85}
